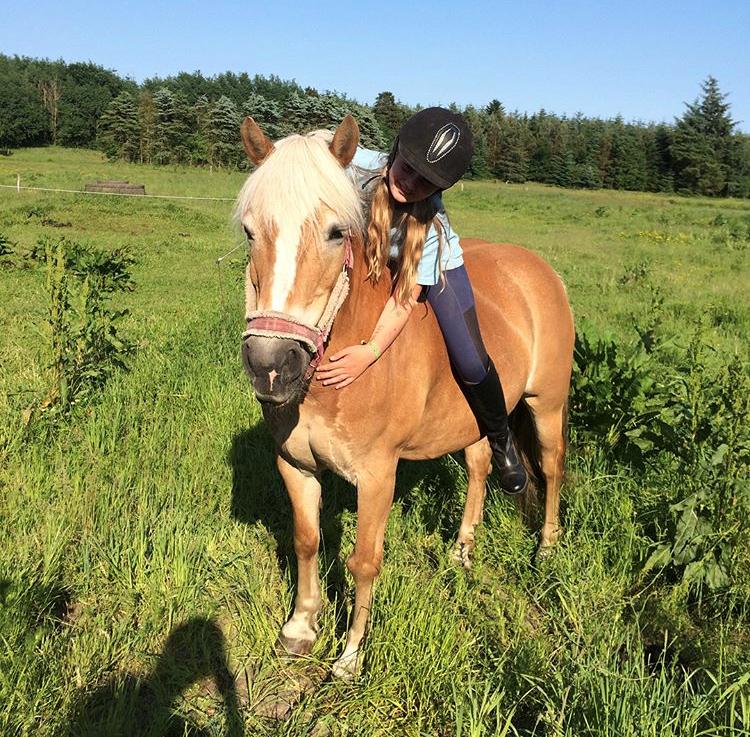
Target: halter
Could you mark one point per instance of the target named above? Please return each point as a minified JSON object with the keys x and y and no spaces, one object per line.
{"x":271,"y":324}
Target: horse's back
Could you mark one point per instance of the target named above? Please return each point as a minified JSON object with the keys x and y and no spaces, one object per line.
{"x":524,"y":314}
{"x":492,"y":264}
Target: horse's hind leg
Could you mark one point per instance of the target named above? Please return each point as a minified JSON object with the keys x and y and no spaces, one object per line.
{"x":478,"y":465}
{"x":550,"y":429}
{"x":301,"y":630}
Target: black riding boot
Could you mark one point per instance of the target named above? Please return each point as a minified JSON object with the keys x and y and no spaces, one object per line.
{"x":487,"y":402}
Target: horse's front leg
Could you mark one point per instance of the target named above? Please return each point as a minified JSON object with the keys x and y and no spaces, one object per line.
{"x":301,"y":630}
{"x":374,"y":499}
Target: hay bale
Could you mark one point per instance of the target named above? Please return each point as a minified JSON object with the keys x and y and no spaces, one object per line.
{"x":114,"y":186}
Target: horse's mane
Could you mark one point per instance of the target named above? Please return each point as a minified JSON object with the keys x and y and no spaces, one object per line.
{"x":300,"y":174}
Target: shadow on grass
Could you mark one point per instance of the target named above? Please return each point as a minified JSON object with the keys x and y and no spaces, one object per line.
{"x":144,"y":706}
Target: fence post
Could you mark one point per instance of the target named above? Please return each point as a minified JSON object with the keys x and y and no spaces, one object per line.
{"x":18,"y":183}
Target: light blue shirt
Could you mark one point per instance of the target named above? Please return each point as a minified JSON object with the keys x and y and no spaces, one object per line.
{"x":364,"y":164}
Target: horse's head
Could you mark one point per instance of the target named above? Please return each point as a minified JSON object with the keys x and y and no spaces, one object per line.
{"x":298,"y":209}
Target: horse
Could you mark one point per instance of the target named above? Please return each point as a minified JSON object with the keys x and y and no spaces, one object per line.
{"x":307,"y":291}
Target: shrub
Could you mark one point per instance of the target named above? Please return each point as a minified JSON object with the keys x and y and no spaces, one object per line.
{"x":85,"y":344}
{"x":682,"y":419}
{"x":5,"y":246}
{"x":611,"y":384}
{"x":705,"y":422}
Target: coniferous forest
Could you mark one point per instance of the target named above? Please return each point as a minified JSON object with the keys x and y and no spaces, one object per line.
{"x":193,"y":119}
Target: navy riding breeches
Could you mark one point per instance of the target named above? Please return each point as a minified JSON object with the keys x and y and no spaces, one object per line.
{"x":453,"y":305}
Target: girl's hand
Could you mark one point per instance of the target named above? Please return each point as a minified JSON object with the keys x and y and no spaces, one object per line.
{"x":345,"y":366}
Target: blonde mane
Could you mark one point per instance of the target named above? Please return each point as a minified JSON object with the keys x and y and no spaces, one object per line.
{"x":299,"y":175}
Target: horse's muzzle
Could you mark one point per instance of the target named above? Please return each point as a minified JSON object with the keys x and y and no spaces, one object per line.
{"x":276,"y":367}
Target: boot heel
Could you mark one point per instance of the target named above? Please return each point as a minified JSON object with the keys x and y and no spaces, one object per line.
{"x":513,"y":477}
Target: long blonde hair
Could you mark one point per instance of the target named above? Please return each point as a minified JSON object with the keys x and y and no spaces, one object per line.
{"x":412,"y":222}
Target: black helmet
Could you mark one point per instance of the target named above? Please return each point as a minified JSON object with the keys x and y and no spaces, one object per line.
{"x":437,"y":144}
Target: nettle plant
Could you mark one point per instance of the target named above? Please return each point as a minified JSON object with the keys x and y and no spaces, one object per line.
{"x":86,"y":344}
{"x":680,"y":418}
{"x":6,"y":246}
{"x":705,"y":419}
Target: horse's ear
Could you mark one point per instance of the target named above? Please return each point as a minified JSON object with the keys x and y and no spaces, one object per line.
{"x":257,"y":146}
{"x":345,"y":140}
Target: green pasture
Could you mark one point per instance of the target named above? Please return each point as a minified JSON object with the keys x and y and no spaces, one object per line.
{"x":146,"y":557}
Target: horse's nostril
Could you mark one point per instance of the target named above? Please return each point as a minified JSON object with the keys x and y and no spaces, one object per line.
{"x":294,"y":360}
{"x":246,"y":358}
{"x":275,"y":366}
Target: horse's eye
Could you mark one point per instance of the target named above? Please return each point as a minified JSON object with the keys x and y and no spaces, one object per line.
{"x":335,"y":233}
{"x":248,"y":233}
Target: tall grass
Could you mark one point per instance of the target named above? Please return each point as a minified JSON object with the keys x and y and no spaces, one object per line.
{"x":147,"y":555}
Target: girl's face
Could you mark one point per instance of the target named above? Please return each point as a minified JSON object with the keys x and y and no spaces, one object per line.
{"x":406,"y":185}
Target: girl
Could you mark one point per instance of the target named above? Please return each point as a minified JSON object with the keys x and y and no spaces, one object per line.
{"x":408,"y":223}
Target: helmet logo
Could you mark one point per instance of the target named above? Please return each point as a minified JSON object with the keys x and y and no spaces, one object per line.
{"x":445,"y":140}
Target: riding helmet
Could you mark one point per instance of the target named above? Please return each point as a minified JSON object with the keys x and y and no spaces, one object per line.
{"x":437,"y":144}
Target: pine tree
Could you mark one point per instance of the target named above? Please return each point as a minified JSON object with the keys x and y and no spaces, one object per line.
{"x":223,"y":133}
{"x":704,"y":149}
{"x":742,"y":176}
{"x":657,"y":141}
{"x":390,"y":115}
{"x":512,"y":164}
{"x":199,"y":139}
{"x":172,"y":127}
{"x":161,"y":144}
{"x":478,"y":168}
{"x":540,"y":131}
{"x":327,"y":112}
{"x":584,"y":139}
{"x":147,"y":125}
{"x":266,"y":112}
{"x":370,"y":133}
{"x":628,"y":163}
{"x":297,"y":112}
{"x":118,"y":130}
{"x":561,"y":168}
{"x":585,"y":175}
{"x":493,"y":141}
{"x":495,"y":107}
{"x":183,"y":128}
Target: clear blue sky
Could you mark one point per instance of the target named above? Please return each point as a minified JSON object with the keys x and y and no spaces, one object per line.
{"x":640,"y":59}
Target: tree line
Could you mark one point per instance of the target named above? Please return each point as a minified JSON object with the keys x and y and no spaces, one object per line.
{"x":193,"y":119}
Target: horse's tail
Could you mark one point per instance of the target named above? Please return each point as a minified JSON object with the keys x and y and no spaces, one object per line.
{"x":527,"y":443}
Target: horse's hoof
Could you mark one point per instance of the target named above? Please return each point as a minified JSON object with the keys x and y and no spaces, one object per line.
{"x":462,"y":555}
{"x":294,"y":646}
{"x":544,"y":553}
{"x":346,"y":668}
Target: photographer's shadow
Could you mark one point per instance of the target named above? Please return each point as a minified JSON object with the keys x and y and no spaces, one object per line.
{"x":143,"y":706}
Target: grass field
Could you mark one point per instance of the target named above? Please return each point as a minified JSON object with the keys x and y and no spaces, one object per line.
{"x":146,"y":554}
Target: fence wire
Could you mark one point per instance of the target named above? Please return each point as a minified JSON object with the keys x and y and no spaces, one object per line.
{"x":18,"y":188}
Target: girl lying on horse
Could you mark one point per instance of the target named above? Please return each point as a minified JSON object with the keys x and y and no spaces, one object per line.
{"x":409,"y":229}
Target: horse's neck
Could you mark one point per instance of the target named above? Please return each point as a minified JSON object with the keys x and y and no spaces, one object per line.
{"x":360,"y":312}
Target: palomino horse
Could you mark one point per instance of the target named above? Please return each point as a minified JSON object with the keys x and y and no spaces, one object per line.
{"x":303,"y":217}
